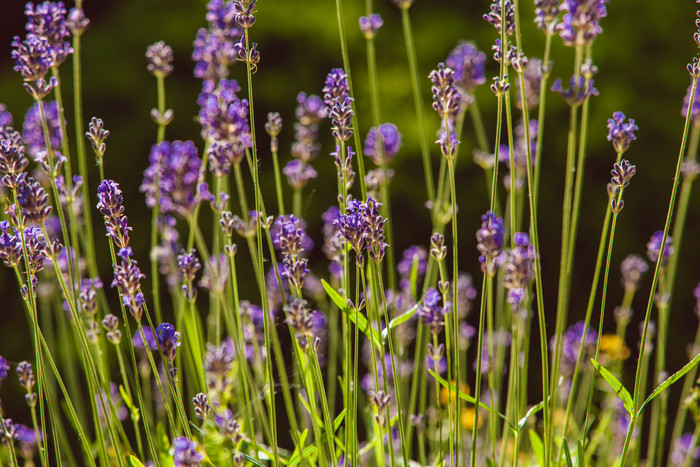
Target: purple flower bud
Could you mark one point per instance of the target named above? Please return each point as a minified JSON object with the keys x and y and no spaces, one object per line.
{"x":33,"y":132}
{"x":160,"y":59}
{"x":33,"y":57}
{"x":654,"y":247}
{"x":581,"y":21}
{"x":633,"y":268}
{"x":490,"y":241}
{"x":244,"y":12}
{"x":77,"y":22}
{"x":621,"y":133}
{"x":578,"y":91}
{"x":341,"y":114}
{"x":495,"y":17}
{"x":546,"y":14}
{"x":168,"y":339}
{"x":299,"y":173}
{"x":10,"y":246}
{"x":138,"y":340}
{"x":446,"y":97}
{"x":310,"y":109}
{"x":431,"y":312}
{"x":185,"y":453}
{"x":369,"y":25}
{"x":622,"y":173}
{"x":518,"y":269}
{"x":336,"y":86}
{"x":4,"y":368}
{"x":382,"y":143}
{"x":33,"y":200}
{"x":467,"y":61}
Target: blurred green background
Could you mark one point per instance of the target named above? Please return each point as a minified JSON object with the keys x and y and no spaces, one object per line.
{"x":641,"y":58}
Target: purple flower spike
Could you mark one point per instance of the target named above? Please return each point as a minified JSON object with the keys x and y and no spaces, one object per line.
{"x":299,"y":173}
{"x":369,"y":25}
{"x":341,"y":114}
{"x":185,"y":453}
{"x":310,"y":109}
{"x":620,"y":133}
{"x":290,"y":241}
{"x":546,"y":14}
{"x":633,"y":267}
{"x":518,"y":269}
{"x":446,"y":97}
{"x":431,"y":312}
{"x":34,"y":201}
{"x":4,"y":368}
{"x":383,"y":143}
{"x":496,"y":17}
{"x":168,"y":339}
{"x":695,"y":110}
{"x":5,"y":118}
{"x":160,"y":59}
{"x":336,"y":86}
{"x":654,"y":247}
{"x":467,"y":61}
{"x":571,"y":344}
{"x":138,"y":342}
{"x":10,"y":246}
{"x":581,"y":21}
{"x":172,"y":177}
{"x":578,"y":91}
{"x":33,"y":133}
{"x":48,"y":20}
{"x":490,"y":241}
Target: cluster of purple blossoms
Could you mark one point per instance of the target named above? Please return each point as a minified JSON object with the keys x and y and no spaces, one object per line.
{"x":621,"y":133}
{"x":446,"y":98}
{"x":33,"y":200}
{"x":518,"y":269}
{"x":579,"y":90}
{"x":218,"y":363}
{"x":336,"y":86}
{"x":48,"y":20}
{"x":172,"y":178}
{"x":168,"y":340}
{"x":432,"y":312}
{"x":413,"y":254}
{"x":160,"y":59}
{"x":695,"y":109}
{"x":4,"y":368}
{"x":33,"y":132}
{"x":533,"y":78}
{"x":581,"y":21}
{"x":137,"y":341}
{"x":363,"y":228}
{"x":37,"y":250}
{"x":633,"y":267}
{"x":547,"y":14}
{"x":490,"y":239}
{"x":10,"y":245}
{"x":382,"y":143}
{"x":333,"y":241}
{"x":496,"y":16}
{"x":336,"y":96}
{"x":654,"y":247}
{"x":467,"y":62}
{"x":25,"y":374}
{"x":299,"y":173}
{"x":309,"y":112}
{"x":13,"y":162}
{"x":571,"y":345}
{"x":111,"y":206}
{"x":185,"y":453}
{"x":299,"y":318}
{"x":290,"y":241}
{"x":214,"y":48}
{"x":369,"y":25}
{"x":127,"y":277}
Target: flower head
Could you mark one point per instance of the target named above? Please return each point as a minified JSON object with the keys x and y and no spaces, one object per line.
{"x":369,"y":25}
{"x":468,"y":62}
{"x":33,"y":133}
{"x":185,"y":453}
{"x":621,"y":133}
{"x":299,"y":173}
{"x":168,"y":339}
{"x":655,"y":246}
{"x":578,"y":91}
{"x":490,"y":241}
{"x":48,"y":20}
{"x":496,"y":16}
{"x":335,"y":87}
{"x":382,"y":143}
{"x":547,"y":14}
{"x":518,"y":268}
{"x":432,"y":312}
{"x":633,"y":267}
{"x":446,"y":98}
{"x":581,"y":21}
{"x":160,"y":59}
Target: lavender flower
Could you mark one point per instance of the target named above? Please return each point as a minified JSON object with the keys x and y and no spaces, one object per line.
{"x":654,"y":247}
{"x":201,"y":405}
{"x":150,"y":339}
{"x":581,"y":21}
{"x":335,"y":87}
{"x":414,"y":253}
{"x":88,"y":295}
{"x":571,"y":344}
{"x":110,"y":204}
{"x":97,"y":135}
{"x":48,"y":20}
{"x":299,"y":173}
{"x":111,"y":323}
{"x":467,"y":61}
{"x":622,"y":173}
{"x":695,"y":109}
{"x":224,"y":117}
{"x":34,"y":201}
{"x":213,"y":53}
{"x":168,"y":340}
{"x":4,"y":368}
{"x":496,"y":17}
{"x":352,"y":226}
{"x":369,"y":25}
{"x":299,"y":319}
{"x":172,"y":177}
{"x":621,"y":133}
{"x":33,"y":59}
{"x":344,"y":164}
{"x":160,"y":59}
{"x":127,"y":277}
{"x":446,"y":97}
{"x":341,"y":114}
{"x":290,"y":242}
{"x":36,"y":249}
{"x":490,"y":241}
{"x":518,"y":269}
{"x":533,"y":78}
{"x":431,"y":312}
{"x":374,"y":233}
{"x":26,"y":380}
{"x":10,"y":246}
{"x":33,"y":133}
{"x":5,"y":118}
{"x":578,"y":91}
{"x":684,"y":449}
{"x":244,"y":12}
{"x":77,"y":22}
{"x":547,"y":14}
{"x":218,"y":363}
{"x":185,"y":453}
{"x":633,"y":267}
{"x":310,"y":109}
{"x":382,"y":143}
{"x":216,"y":272}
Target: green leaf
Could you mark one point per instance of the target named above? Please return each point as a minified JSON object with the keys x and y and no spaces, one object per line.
{"x":669,"y":381}
{"x":414,"y":276}
{"x":355,"y":316}
{"x":129,"y":403}
{"x":399,"y":320}
{"x":533,"y":410}
{"x":617,"y":387}
{"x":537,"y":446}
{"x":567,"y":454}
{"x":310,"y":449}
{"x":469,"y":398}
{"x":490,"y":462}
{"x":135,"y":462}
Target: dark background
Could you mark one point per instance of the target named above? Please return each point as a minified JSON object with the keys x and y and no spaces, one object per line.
{"x":641,"y":56}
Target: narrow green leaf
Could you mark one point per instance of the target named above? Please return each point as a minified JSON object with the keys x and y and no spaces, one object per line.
{"x":252,"y":460}
{"x":533,"y":410}
{"x":469,"y":398}
{"x":135,"y":462}
{"x":414,"y":276}
{"x":310,"y":449}
{"x":537,"y":446}
{"x":399,"y":320}
{"x":617,"y":387}
{"x":355,"y":316}
{"x":669,"y":381}
{"x":133,"y":410}
{"x":567,"y":454}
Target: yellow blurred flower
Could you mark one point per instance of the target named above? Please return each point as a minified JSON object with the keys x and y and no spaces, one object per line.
{"x":446,"y":393}
{"x":614,"y":347}
{"x":468,"y":418}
